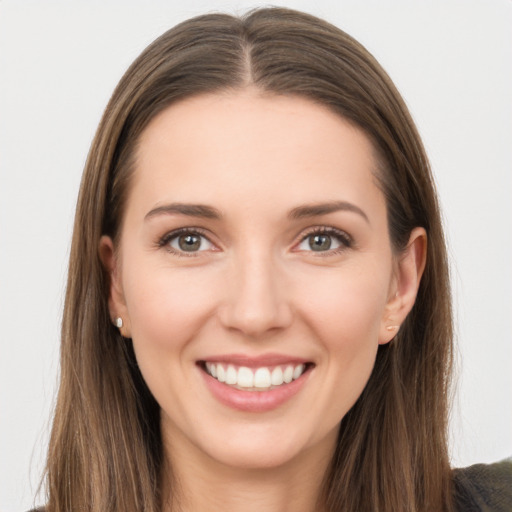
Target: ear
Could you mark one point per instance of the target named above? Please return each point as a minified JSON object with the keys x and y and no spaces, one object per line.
{"x":116,"y":302}
{"x":408,"y":271}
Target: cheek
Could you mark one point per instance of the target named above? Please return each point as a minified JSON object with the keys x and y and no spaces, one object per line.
{"x":166,"y":310}
{"x":165,"y":306}
{"x":346,"y":306}
{"x":346,"y":321}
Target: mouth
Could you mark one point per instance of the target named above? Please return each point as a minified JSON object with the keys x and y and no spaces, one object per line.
{"x":256,"y":379}
{"x":255,"y":384}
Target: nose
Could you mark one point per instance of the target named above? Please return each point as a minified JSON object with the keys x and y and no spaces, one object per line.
{"x":256,"y":302}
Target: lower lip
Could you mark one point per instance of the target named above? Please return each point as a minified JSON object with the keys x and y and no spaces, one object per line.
{"x":254,"y":401}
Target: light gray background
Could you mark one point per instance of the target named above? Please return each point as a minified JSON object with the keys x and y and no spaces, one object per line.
{"x":59,"y":62}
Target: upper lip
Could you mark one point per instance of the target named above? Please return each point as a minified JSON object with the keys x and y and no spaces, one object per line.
{"x":255,"y":361}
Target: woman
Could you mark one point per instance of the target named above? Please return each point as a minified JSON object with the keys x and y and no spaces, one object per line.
{"x":258,"y":308}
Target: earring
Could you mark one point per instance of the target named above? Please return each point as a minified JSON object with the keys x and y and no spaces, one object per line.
{"x":394,"y":329}
{"x":119,"y":322}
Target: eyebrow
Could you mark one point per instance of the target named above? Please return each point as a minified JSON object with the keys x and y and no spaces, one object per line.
{"x":313,"y":210}
{"x":191,"y":210}
{"x":300,"y":212}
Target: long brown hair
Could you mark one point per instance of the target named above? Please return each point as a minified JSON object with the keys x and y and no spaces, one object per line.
{"x":106,"y":450}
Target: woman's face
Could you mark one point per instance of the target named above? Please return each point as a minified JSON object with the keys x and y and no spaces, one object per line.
{"x":255,"y":275}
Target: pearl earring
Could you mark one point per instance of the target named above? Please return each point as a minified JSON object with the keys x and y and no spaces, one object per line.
{"x":119,"y":322}
{"x":393,"y":327}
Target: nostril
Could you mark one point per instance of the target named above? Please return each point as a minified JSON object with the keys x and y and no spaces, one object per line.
{"x":254,"y":319}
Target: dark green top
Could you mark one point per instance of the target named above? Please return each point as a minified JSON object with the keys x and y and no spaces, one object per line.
{"x":478,"y":488}
{"x":484,"y":487}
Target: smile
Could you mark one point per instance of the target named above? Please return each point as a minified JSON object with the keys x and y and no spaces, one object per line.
{"x":255,"y":384}
{"x":263,"y":378}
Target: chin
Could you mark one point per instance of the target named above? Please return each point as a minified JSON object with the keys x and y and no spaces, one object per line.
{"x":255,"y":457}
{"x":257,"y":449}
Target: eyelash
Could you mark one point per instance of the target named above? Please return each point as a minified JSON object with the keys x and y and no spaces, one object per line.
{"x":343,"y":238}
{"x":164,"y":242}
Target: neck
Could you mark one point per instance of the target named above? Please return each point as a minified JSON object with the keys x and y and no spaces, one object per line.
{"x":202,"y":484}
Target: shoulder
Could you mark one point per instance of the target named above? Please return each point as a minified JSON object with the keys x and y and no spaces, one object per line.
{"x":484,"y":487}
{"x":477,"y":488}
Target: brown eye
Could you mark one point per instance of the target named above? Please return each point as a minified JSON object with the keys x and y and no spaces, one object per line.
{"x":187,"y":242}
{"x":327,"y":240}
{"x":319,"y":242}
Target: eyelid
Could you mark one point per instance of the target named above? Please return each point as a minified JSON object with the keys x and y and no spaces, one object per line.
{"x":344,"y":238}
{"x":164,"y":241}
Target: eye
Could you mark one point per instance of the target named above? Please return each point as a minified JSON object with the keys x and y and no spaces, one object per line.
{"x":325,"y":240}
{"x":186,"y":241}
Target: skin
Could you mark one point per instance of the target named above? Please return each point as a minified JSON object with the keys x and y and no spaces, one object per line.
{"x":256,"y":287}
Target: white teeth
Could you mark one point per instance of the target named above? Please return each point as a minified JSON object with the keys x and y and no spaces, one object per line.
{"x":288,"y":374}
{"x":221,"y":374}
{"x":255,"y":379}
{"x":245,"y":377}
{"x":231,"y":375}
{"x":262,"y":378}
{"x":298,"y":371}
{"x":212,"y":370}
{"x":277,"y":376}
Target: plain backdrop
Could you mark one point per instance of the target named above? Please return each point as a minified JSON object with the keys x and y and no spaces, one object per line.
{"x":59,"y":62}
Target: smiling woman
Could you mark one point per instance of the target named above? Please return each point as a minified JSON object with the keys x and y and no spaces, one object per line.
{"x":237,"y":307}
{"x":258,"y":310}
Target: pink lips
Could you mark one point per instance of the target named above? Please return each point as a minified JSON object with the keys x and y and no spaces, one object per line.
{"x":255,"y":401}
{"x":256,"y":361}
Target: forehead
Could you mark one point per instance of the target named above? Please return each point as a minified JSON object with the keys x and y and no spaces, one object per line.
{"x":252,"y":147}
